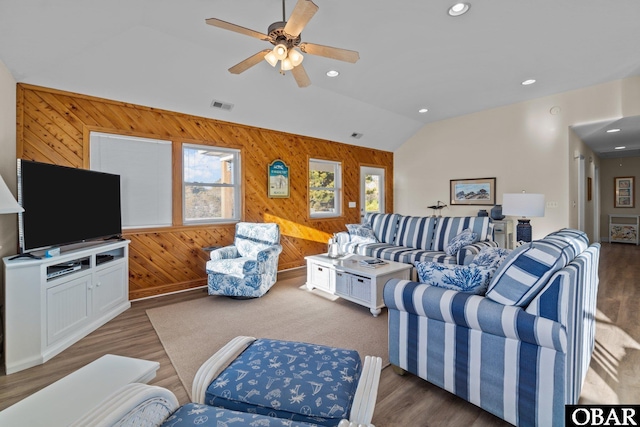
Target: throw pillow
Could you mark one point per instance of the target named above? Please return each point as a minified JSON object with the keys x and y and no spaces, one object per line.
{"x":490,"y":257}
{"x":525,"y":272}
{"x":361,"y":233}
{"x":461,"y":278}
{"x":466,"y":237}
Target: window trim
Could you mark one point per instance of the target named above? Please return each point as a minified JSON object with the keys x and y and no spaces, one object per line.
{"x":338,"y":190}
{"x":236,"y":179}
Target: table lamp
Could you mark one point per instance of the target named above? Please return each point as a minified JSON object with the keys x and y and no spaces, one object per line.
{"x":8,"y":203}
{"x":523,"y":205}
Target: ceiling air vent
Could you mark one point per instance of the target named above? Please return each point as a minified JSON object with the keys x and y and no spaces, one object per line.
{"x":356,"y":135}
{"x":221,"y":105}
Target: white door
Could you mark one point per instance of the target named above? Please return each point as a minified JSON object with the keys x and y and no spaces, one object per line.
{"x":371,"y":190}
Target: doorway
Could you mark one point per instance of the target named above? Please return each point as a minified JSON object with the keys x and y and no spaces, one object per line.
{"x":371,"y":190}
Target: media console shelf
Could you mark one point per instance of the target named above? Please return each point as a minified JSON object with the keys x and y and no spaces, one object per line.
{"x":51,"y":303}
{"x":624,"y":228}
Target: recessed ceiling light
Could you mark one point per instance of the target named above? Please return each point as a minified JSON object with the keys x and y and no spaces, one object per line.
{"x":613,"y":130}
{"x":622,"y":147}
{"x":423,"y":110}
{"x":528,"y":82}
{"x":332,"y":73}
{"x":459,"y":9}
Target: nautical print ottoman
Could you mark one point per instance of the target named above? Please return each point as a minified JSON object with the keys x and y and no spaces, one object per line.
{"x":290,"y":380}
{"x":207,"y":416}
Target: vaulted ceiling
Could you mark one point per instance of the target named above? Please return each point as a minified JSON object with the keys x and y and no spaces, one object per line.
{"x":413,"y":55}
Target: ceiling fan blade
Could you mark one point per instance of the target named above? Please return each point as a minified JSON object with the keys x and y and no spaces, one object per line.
{"x":249,"y":62}
{"x":237,"y":28}
{"x":301,"y":15}
{"x":330,"y":52}
{"x":301,"y":76}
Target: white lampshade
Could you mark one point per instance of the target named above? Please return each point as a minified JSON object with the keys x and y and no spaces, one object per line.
{"x":8,"y":203}
{"x":523,"y":204}
{"x":295,"y":57}
{"x":280,"y":51}
{"x":271,"y":58}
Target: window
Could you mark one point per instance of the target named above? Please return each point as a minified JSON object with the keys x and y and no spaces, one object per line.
{"x":211,"y":184}
{"x":325,"y":188}
{"x":144,"y":166}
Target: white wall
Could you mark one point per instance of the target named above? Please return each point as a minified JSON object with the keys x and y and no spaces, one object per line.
{"x":523,"y":145}
{"x":8,"y":223}
{"x":611,"y":168}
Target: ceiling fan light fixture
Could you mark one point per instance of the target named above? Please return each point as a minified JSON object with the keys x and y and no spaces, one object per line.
{"x":286,"y":65}
{"x":280,"y":51}
{"x":295,"y":57}
{"x":271,"y":58}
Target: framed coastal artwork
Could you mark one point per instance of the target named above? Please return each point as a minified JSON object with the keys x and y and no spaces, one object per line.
{"x":623,"y":192}
{"x":278,"y":179}
{"x":474,"y":191}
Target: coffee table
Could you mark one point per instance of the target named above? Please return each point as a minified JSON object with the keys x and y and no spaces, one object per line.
{"x":346,"y":278}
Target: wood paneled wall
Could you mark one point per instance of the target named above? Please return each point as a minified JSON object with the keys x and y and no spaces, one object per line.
{"x":53,"y":127}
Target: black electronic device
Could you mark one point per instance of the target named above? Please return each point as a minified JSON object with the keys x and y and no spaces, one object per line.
{"x":64,"y":205}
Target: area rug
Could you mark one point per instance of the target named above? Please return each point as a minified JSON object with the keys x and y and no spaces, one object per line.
{"x":192,"y":331}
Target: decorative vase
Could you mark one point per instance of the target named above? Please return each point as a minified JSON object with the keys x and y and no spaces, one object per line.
{"x":483,"y":212}
{"x":496,"y":212}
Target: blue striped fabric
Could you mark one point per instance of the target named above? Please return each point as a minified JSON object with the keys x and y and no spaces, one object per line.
{"x":449,"y":227}
{"x":414,"y":255}
{"x":385,"y":251}
{"x":526,"y":271}
{"x":415,"y":232}
{"x":384,"y":226}
{"x":520,"y":364}
{"x":466,"y":254}
{"x":576,"y":240}
{"x":497,"y":357}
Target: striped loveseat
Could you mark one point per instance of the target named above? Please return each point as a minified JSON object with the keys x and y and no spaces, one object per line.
{"x":521,"y":351}
{"x":409,"y":239}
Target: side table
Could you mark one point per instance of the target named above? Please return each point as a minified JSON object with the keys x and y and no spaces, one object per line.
{"x":503,"y":233}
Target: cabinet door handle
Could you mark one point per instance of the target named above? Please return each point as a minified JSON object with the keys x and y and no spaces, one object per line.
{"x":319,"y":269}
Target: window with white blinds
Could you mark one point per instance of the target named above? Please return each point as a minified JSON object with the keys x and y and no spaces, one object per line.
{"x":144,"y":166}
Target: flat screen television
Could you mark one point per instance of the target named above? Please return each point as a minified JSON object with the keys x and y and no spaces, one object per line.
{"x":64,"y":205}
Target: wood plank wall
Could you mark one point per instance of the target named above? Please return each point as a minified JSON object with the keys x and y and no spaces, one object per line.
{"x":53,"y":126}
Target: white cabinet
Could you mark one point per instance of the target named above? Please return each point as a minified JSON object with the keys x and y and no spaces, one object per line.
{"x":46,"y":312}
{"x":624,"y":228}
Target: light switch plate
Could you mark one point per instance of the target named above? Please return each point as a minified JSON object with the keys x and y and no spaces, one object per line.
{"x":352,"y":204}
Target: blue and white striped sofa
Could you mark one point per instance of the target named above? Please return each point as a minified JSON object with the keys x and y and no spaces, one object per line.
{"x":521,"y":359}
{"x":411,"y":238}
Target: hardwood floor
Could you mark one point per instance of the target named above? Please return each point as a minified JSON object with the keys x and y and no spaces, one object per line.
{"x":614,"y":376}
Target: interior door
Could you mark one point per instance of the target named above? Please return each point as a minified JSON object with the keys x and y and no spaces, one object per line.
{"x":371,"y":190}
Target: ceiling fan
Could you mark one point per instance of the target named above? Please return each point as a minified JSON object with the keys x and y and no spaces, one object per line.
{"x":285,"y":36}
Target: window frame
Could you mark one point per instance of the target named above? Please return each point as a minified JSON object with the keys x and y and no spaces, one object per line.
{"x":236,"y":184}
{"x":337,"y":189}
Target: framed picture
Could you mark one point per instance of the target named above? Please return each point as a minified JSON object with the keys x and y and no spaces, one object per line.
{"x":623,"y":192}
{"x":476,"y":191}
{"x":278,"y":179}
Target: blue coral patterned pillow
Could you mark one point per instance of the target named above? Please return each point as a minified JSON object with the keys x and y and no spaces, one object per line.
{"x":361,"y":233}
{"x":466,"y":237}
{"x":461,"y":278}
{"x":490,"y":257}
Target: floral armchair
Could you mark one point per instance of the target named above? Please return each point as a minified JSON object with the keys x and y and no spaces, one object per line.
{"x":249,"y":267}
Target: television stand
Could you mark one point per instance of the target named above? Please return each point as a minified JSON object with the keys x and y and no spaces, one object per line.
{"x":51,"y":303}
